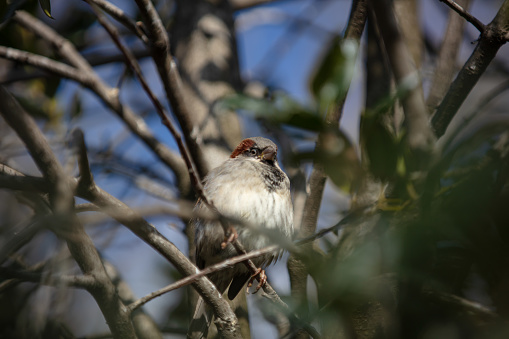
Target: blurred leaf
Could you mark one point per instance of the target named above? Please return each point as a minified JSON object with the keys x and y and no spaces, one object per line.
{"x":381,"y":147}
{"x":333,"y":77}
{"x":46,"y":7}
{"x":38,"y":104}
{"x":280,"y":110}
{"x":339,"y":159}
{"x":76,"y":30}
{"x":7,"y":9}
{"x":76,"y":106}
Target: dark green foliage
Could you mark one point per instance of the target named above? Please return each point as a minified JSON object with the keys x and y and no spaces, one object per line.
{"x":333,"y":76}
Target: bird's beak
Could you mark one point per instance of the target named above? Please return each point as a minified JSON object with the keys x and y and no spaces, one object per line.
{"x":268,"y":153}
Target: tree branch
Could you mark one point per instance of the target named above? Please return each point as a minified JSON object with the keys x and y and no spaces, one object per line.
{"x":7,"y":175}
{"x":136,"y":27}
{"x":79,"y":281}
{"x":492,"y":38}
{"x":210,"y":269}
{"x":61,"y":199}
{"x":447,"y":58}
{"x":471,"y":308}
{"x":463,"y":13}
{"x":63,"y":46}
{"x":144,"y":325}
{"x":46,"y":64}
{"x":170,"y":77}
{"x":149,"y":234}
{"x":133,"y":63}
{"x":108,"y":95}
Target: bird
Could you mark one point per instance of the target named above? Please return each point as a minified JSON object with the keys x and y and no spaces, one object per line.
{"x":251,"y":187}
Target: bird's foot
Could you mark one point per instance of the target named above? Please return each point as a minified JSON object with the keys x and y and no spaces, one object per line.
{"x":262,"y":280}
{"x":230,"y":236}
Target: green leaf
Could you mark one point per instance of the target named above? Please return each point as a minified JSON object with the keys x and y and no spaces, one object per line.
{"x":333,"y":77}
{"x":281,"y":109}
{"x":46,"y":7}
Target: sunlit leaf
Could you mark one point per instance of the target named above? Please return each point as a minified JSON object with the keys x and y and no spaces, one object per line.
{"x":46,"y":7}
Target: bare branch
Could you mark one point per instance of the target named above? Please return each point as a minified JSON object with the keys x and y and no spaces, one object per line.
{"x":492,"y":38}
{"x":469,"y":307}
{"x":61,"y":198}
{"x":133,"y":63}
{"x":136,"y":27}
{"x":192,"y":278}
{"x":79,"y":281}
{"x":170,"y":77}
{"x":109,"y":95}
{"x":463,"y":13}
{"x":447,"y":59}
{"x":46,"y":64}
{"x":148,"y":233}
{"x":63,"y":46}
{"x":144,"y":325}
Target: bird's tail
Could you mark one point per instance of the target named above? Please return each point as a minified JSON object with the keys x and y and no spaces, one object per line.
{"x":202,"y":318}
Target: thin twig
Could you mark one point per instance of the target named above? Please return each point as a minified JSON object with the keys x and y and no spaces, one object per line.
{"x":136,"y":27}
{"x":232,"y":261}
{"x":469,"y":17}
{"x":470,"y":307}
{"x":64,"y":47}
{"x":133,"y":63}
{"x":148,"y":233}
{"x":89,"y":79}
{"x":8,"y":172}
{"x":172,"y":82}
{"x":447,"y":59}
{"x":494,"y":36}
{"x":61,"y":198}
{"x":47,"y":64}
{"x":195,"y":179}
{"x":192,"y":278}
{"x":79,"y":281}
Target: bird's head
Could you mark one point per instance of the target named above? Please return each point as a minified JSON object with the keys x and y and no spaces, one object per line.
{"x":257,"y":148}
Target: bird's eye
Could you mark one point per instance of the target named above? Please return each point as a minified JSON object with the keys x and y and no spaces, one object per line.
{"x":254,"y":151}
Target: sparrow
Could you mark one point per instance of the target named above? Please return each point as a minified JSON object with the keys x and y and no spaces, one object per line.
{"x":250,"y":187}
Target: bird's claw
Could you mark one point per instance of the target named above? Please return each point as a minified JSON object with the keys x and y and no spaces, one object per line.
{"x":230,"y":236}
{"x":262,"y":280}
